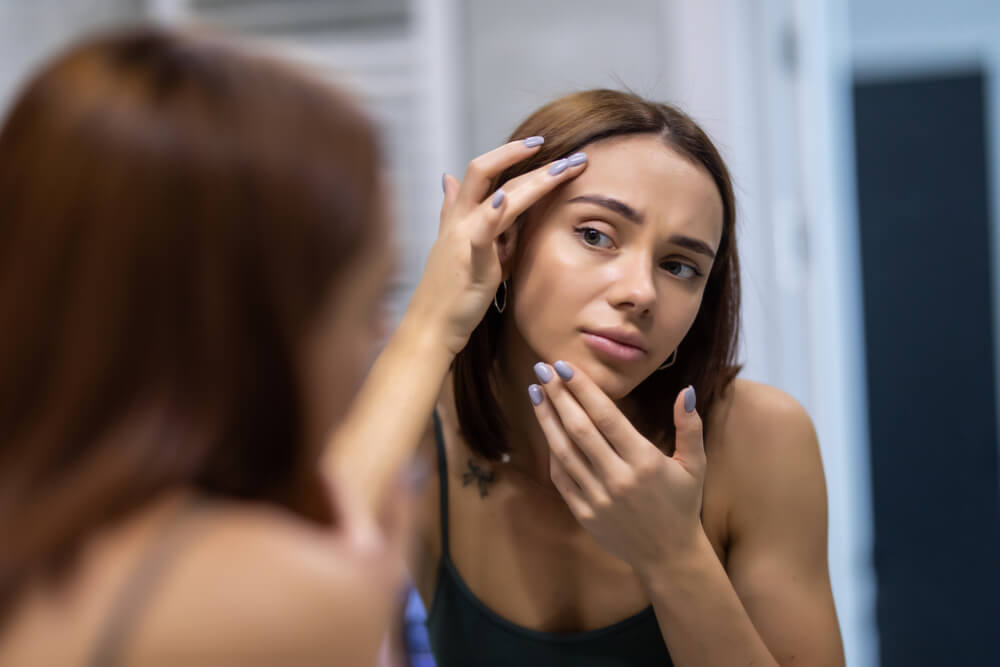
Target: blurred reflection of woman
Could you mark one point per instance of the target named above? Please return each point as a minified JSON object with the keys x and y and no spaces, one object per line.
{"x":608,"y":492}
{"x":192,"y":259}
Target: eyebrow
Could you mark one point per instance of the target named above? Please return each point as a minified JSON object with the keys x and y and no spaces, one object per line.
{"x":630,"y":214}
{"x":619,"y":207}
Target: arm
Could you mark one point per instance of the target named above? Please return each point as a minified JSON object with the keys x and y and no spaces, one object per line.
{"x":390,"y":412}
{"x":463,"y":271}
{"x":775,"y":605}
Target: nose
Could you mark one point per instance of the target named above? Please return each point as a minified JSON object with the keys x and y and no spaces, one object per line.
{"x":633,"y":288}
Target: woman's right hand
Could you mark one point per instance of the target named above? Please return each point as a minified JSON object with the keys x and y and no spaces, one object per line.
{"x":463,"y":270}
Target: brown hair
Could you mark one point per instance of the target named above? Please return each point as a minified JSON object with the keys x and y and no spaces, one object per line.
{"x":175,"y":211}
{"x":707,"y":356}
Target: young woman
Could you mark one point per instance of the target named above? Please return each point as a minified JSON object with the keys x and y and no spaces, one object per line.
{"x":192,"y":259}
{"x":608,"y":492}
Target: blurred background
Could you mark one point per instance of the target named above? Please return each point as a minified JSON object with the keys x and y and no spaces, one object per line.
{"x":864,"y":139}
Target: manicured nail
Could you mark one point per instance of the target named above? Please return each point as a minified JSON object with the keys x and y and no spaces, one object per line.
{"x":558,"y":167}
{"x":531,"y":142}
{"x":563,"y":369}
{"x":535,"y":394}
{"x":444,"y":182}
{"x":543,"y":372}
{"x":690,"y":399}
{"x":576,"y":158}
{"x":497,"y":198}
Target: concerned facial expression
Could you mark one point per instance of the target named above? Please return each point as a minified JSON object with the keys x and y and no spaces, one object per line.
{"x":609,"y":270}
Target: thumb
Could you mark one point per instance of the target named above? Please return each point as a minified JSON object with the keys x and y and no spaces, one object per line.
{"x":690,"y":447}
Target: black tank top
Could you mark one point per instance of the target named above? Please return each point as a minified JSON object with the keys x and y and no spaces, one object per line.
{"x":464,"y":632}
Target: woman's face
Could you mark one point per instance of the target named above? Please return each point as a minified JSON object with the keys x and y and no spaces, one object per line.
{"x":609,"y":270}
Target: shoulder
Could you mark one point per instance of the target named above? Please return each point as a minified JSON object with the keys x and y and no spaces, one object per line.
{"x":765,"y":454}
{"x":258,"y":585}
{"x":758,"y":419}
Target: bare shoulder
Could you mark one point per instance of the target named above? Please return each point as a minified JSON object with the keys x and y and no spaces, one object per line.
{"x":767,"y":459}
{"x":259,"y":586}
{"x":755,"y":419}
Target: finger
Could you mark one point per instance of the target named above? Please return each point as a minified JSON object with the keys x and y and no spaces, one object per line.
{"x":606,"y":417}
{"x":579,"y":426}
{"x":449,"y":187}
{"x":482,"y":238}
{"x":690,"y":443}
{"x":562,"y":449}
{"x":526,"y":190}
{"x":487,"y":166}
{"x":569,"y":490}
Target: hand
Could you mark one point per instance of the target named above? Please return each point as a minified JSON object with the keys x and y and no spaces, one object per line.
{"x":638,"y":503}
{"x":464,"y":268}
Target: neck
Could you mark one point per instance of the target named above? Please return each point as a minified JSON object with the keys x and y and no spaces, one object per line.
{"x":529,"y":450}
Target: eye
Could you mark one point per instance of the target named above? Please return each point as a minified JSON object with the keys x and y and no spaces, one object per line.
{"x":680,"y":269}
{"x":595,"y":238}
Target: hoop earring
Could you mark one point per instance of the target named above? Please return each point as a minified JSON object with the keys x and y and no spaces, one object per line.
{"x":670,"y":360}
{"x":500,"y":306}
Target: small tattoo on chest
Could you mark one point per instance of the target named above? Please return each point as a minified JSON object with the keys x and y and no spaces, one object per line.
{"x":480,"y":475}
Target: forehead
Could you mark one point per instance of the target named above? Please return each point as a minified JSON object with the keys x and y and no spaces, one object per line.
{"x":670,"y":191}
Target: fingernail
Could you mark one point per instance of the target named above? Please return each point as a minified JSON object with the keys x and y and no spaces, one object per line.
{"x":535,"y":394}
{"x":576,"y":158}
{"x":444,"y":182}
{"x":690,"y":399}
{"x":531,"y":142}
{"x":497,"y":198}
{"x":543,"y":372}
{"x":558,"y":167}
{"x":563,"y":369}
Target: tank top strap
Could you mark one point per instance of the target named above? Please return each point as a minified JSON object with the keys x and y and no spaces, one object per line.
{"x":443,"y":481}
{"x":135,"y":595}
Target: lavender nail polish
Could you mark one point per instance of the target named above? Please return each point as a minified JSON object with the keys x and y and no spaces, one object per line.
{"x":558,"y":167}
{"x":498,"y":198}
{"x":535,"y":394}
{"x":543,"y":372}
{"x":531,"y":142}
{"x":690,"y":399}
{"x":444,"y":182}
{"x":563,"y":369}
{"x":576,"y":159}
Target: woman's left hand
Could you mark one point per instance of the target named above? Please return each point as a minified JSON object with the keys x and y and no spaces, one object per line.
{"x":638,"y":503}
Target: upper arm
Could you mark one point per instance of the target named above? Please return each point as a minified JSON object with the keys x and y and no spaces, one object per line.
{"x":777,"y":559}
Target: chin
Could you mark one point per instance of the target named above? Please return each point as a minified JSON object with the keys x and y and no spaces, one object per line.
{"x":613,"y":383}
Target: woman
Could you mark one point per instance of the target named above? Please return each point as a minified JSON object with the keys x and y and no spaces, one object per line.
{"x":192,"y":260}
{"x":608,"y":492}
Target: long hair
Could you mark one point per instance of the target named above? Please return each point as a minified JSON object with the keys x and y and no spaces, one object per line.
{"x":173,"y":211}
{"x":707,"y":356}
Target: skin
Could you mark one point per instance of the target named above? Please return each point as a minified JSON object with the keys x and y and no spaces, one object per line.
{"x":626,"y":274}
{"x":215,"y":603}
{"x":590,"y":523}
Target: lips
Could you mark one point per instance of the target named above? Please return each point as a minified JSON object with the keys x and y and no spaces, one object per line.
{"x":620,"y":336}
{"x":616,"y":346}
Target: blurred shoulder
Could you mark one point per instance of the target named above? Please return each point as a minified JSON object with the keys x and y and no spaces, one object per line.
{"x":257,"y":585}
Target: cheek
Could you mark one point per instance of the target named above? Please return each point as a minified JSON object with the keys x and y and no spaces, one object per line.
{"x":549,"y":291}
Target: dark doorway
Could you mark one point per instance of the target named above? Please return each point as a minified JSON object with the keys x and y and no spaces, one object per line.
{"x":922,"y":178}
